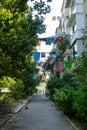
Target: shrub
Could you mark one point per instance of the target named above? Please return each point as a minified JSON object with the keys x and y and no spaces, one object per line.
{"x":63,"y":99}
{"x":5,"y":105}
{"x":6,"y":81}
{"x":17,"y":91}
{"x":5,"y":84}
{"x":80,"y":102}
{"x":30,"y":83}
{"x":53,"y":84}
{"x":70,"y":79}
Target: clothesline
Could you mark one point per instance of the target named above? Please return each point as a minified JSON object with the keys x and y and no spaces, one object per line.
{"x":50,"y":40}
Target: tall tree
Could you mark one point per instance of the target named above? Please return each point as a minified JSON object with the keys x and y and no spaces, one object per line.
{"x":18,"y":35}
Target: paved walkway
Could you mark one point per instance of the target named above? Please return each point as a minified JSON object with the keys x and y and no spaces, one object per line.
{"x":40,"y":115}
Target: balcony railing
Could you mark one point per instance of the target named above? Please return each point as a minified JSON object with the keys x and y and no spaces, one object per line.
{"x":77,"y":35}
{"x":72,"y":17}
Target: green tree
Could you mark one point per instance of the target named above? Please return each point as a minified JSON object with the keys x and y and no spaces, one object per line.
{"x":18,"y":38}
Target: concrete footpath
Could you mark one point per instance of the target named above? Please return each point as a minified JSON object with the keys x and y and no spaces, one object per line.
{"x":41,"y":114}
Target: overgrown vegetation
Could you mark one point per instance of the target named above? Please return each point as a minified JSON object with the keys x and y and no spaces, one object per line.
{"x":70,"y":92}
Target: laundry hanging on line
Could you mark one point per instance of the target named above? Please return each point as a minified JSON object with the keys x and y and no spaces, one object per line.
{"x":48,"y":40}
{"x":36,"y":56}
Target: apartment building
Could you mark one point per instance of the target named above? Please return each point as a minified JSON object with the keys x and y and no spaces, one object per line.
{"x":73,"y":21}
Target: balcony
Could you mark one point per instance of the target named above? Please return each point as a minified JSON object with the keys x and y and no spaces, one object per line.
{"x":67,"y":3}
{"x":71,"y":20}
{"x":66,"y":52}
{"x":66,"y":12}
{"x":77,"y":8}
{"x":77,"y":35}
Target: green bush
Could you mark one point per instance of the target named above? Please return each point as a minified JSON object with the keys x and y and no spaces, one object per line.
{"x":63,"y":99}
{"x":17,"y":91}
{"x":70,"y":79}
{"x":30,"y":83}
{"x":5,"y":84}
{"x":80,"y":103}
{"x":6,"y":81}
{"x":53,"y":84}
{"x":5,"y":105}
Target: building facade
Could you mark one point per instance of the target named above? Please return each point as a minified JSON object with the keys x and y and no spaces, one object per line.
{"x":73,"y":21}
{"x":85,"y":12}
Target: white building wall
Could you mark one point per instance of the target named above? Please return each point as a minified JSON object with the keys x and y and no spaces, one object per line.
{"x":79,"y":25}
{"x":80,"y":47}
{"x":79,"y":1}
{"x":77,"y":34}
{"x":79,"y":21}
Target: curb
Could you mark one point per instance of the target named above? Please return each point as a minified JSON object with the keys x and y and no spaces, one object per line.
{"x":19,"y":107}
{"x":67,"y":119}
{"x":72,"y":124}
{"x":16,"y":110}
{"x":3,"y":121}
